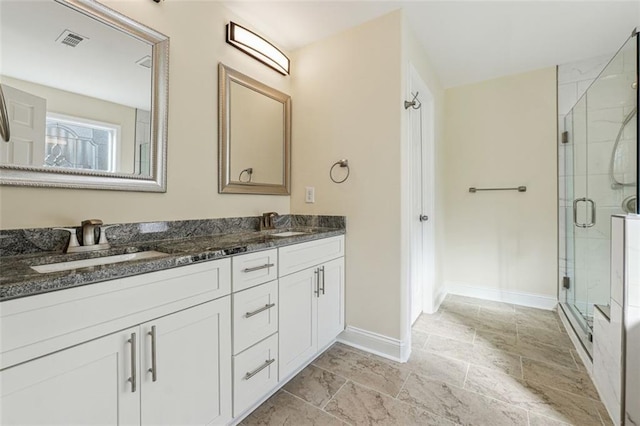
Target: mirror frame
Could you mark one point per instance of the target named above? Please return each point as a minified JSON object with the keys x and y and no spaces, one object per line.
{"x":157,"y":181}
{"x":226,"y":76}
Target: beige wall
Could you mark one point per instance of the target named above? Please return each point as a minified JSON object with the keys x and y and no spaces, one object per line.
{"x":502,"y":133}
{"x":75,"y":105}
{"x":346,"y":104}
{"x":198,"y":43}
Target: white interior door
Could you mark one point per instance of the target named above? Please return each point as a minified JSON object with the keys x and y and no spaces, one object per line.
{"x":421,"y":228}
{"x":27,"y":119}
{"x":417,"y":213}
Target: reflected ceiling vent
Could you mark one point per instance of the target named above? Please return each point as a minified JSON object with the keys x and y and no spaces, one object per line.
{"x":70,"y":38}
{"x":144,"y":62}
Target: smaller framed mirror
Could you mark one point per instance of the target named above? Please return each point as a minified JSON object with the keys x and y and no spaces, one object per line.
{"x":254,"y":136}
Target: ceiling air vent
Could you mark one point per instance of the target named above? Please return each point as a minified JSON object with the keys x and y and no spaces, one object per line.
{"x":69,"y":38}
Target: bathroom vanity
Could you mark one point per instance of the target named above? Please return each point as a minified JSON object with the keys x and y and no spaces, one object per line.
{"x":199,"y":343}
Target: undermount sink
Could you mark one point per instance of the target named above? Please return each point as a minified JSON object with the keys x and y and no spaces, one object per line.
{"x":96,"y":261}
{"x":288,"y":234}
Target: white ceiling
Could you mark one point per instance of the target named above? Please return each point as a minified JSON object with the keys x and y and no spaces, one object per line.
{"x":466,"y":41}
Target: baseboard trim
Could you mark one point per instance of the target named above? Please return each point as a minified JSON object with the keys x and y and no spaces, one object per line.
{"x":439,"y":298}
{"x":517,"y":298}
{"x":378,"y":344}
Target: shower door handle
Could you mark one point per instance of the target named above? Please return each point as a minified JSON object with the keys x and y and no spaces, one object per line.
{"x":593,"y":213}
{"x":575,"y":212}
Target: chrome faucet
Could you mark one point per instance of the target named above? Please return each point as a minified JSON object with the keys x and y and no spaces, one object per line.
{"x":88,"y":237}
{"x":88,"y":231}
{"x":266,"y":222}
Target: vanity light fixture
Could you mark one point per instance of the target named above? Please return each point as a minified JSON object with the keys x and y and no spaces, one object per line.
{"x":254,"y":45}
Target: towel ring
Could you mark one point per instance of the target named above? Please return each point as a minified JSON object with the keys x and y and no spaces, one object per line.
{"x":249,"y":172}
{"x":342,"y":163}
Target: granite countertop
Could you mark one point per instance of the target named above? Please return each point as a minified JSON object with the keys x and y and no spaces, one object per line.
{"x":18,"y":279}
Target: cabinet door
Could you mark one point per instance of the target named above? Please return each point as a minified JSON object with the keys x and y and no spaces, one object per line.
{"x":297,"y":322}
{"x":331,"y":302}
{"x":87,"y":384}
{"x":192,"y":365}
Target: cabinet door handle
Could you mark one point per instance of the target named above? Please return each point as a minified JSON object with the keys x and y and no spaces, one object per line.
{"x":257,"y":311}
{"x":154,"y":366}
{"x":134,"y":370}
{"x":267,"y":363}
{"x":317,"y":290}
{"x":257,"y":268}
{"x":322,"y":269}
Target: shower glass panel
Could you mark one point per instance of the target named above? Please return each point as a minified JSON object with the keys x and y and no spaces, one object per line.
{"x":598,"y":178}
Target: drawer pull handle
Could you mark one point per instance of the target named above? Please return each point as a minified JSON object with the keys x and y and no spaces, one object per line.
{"x":154,"y":366}
{"x":257,"y":268}
{"x":257,"y":311}
{"x":259,"y":369}
{"x":134,"y":372}
{"x":317,"y":290}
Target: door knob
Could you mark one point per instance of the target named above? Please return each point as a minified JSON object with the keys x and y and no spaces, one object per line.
{"x":424,"y":218}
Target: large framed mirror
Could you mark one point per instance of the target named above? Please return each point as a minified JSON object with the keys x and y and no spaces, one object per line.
{"x":254,"y":136}
{"x":86,"y":95}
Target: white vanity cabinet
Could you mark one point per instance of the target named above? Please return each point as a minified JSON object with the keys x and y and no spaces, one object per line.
{"x":193,"y":345}
{"x":94,"y":363}
{"x":311,"y":300}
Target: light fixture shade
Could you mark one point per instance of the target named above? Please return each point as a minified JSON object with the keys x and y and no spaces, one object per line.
{"x":254,"y":45}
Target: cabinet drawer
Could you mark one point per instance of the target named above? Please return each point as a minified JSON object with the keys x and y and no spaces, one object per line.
{"x":297,"y":257}
{"x":255,"y":372}
{"x":255,"y":315}
{"x":251,"y":269}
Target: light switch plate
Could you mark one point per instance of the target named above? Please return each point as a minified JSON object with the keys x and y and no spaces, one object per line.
{"x":309,"y":194}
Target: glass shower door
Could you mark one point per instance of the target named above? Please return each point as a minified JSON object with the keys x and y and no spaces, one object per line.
{"x":577,"y":216}
{"x":598,"y":173}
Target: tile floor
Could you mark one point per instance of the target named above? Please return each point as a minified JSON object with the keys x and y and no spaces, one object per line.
{"x":474,"y":362}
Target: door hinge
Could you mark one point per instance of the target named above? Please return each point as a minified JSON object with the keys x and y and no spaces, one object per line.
{"x":565,"y":137}
{"x":566,"y":282}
